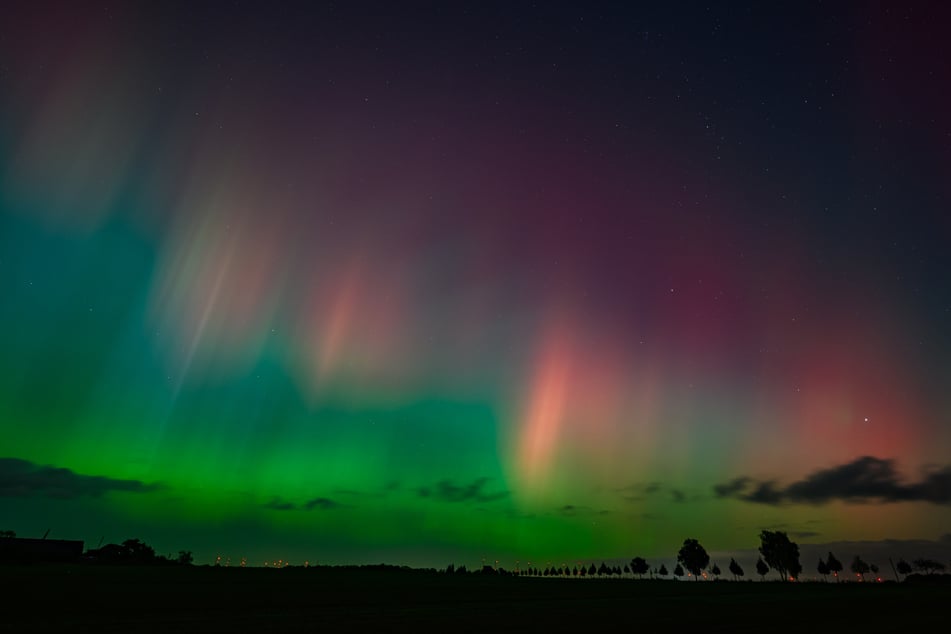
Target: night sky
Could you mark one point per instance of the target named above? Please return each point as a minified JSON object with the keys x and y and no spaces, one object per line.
{"x":422,"y":283}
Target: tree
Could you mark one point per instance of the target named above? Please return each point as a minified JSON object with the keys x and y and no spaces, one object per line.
{"x":8,"y":534}
{"x":823,"y":568}
{"x":859,"y":567}
{"x":693,"y":556}
{"x":603,"y":570}
{"x":735,"y":569}
{"x":835,"y":566}
{"x":185,"y":558}
{"x":715,"y":571}
{"x":138,"y":551}
{"x":678,"y":571}
{"x":781,"y":554}
{"x":874,"y":569}
{"x":639,"y":566}
{"x":929,"y":566}
{"x":904,"y":568}
{"x":663,"y":571}
{"x":592,"y":571}
{"x":761,"y":568}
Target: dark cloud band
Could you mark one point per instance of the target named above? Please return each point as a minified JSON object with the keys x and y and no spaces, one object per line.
{"x":24,"y":479}
{"x":867,"y":479}
{"x":475,"y":491}
{"x":315,"y":504}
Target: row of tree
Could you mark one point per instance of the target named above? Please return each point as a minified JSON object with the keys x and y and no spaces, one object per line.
{"x":860,"y":568}
{"x":777,"y":553}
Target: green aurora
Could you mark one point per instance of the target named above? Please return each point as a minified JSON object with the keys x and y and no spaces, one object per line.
{"x":362,"y":321}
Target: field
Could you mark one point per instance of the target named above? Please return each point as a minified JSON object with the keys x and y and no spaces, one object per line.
{"x":194,"y":599}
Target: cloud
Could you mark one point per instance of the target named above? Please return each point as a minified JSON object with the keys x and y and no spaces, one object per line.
{"x":22,"y":478}
{"x":804,"y":534}
{"x":573,"y":510}
{"x":323,"y":504}
{"x":320,"y":504}
{"x":731,"y":488}
{"x":389,"y":487}
{"x":276,"y":504}
{"x":639,"y":492}
{"x":866,"y":479}
{"x":447,"y":491}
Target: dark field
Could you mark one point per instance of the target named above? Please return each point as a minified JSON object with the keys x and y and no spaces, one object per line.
{"x":160,"y":599}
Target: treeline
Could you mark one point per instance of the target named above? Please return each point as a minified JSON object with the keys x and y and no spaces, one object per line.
{"x":135,"y":552}
{"x":777,"y":553}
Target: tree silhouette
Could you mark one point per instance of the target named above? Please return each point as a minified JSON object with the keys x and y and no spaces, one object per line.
{"x":715,"y":571}
{"x":185,"y":558}
{"x":592,"y":571}
{"x":904,"y":568}
{"x":9,"y":534}
{"x":823,"y":569}
{"x":138,"y":551}
{"x":639,"y":566}
{"x":662,"y":571}
{"x":835,"y":566}
{"x":929,"y":566}
{"x":874,"y":569}
{"x":859,"y":567}
{"x":693,"y":556}
{"x":735,"y":569}
{"x":761,"y":568}
{"x":781,"y":554}
{"x":678,"y":571}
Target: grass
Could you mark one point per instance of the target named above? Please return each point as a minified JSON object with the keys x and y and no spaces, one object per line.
{"x":194,"y":599}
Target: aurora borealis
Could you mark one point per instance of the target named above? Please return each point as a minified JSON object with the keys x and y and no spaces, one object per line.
{"x":427,"y":282}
